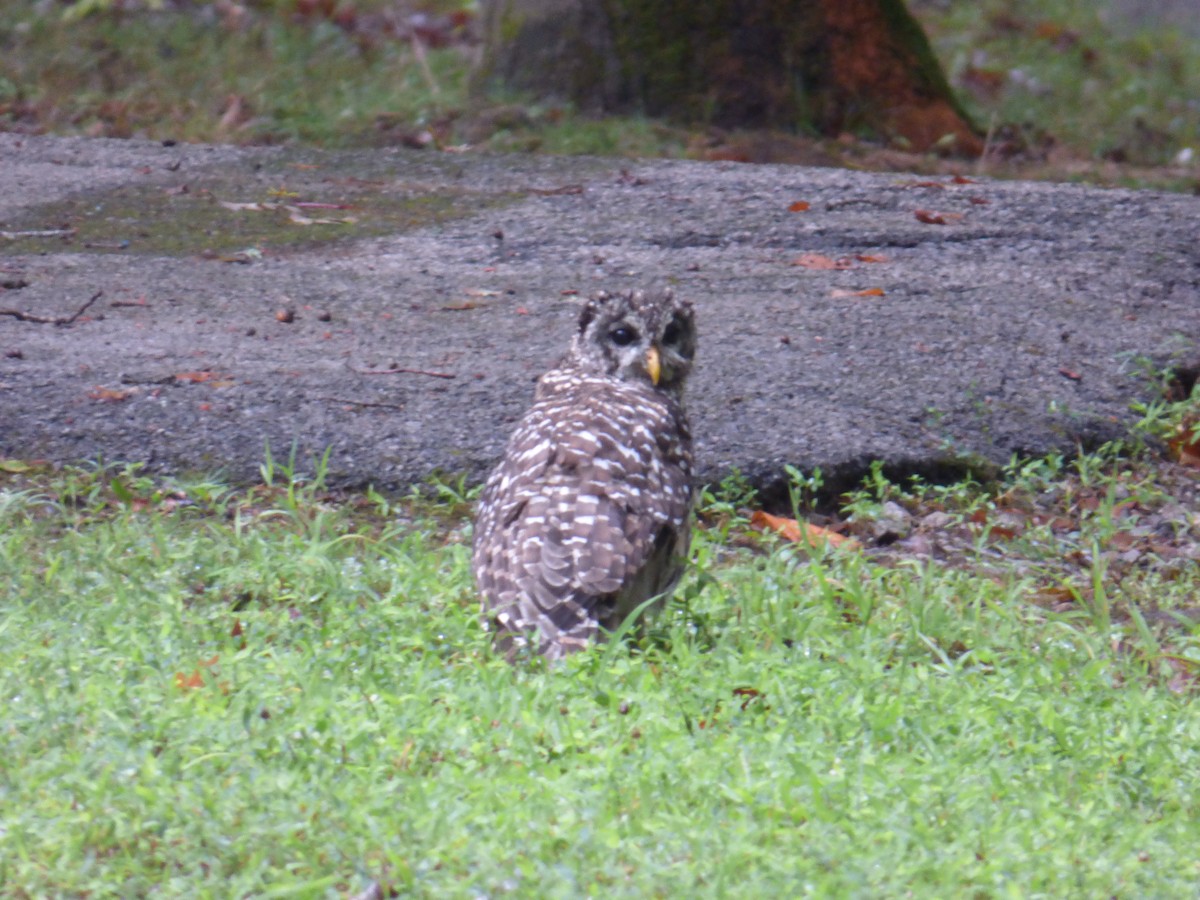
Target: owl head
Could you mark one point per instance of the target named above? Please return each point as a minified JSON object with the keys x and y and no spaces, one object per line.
{"x":637,"y":336}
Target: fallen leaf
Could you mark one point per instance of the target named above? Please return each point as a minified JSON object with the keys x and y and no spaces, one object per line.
{"x":1122,"y":541}
{"x":1184,"y":444}
{"x":983,"y":81}
{"x":962,"y":179}
{"x":1048,"y":31}
{"x":1055,"y":597}
{"x":1070,"y":373}
{"x":799,"y":206}
{"x":818,"y":261}
{"x":189,"y":682}
{"x":800,"y":532}
{"x":14,"y":466}
{"x":194,"y":377}
{"x":929,"y":217}
{"x":838,"y":293}
{"x":870,"y":258}
{"x":108,"y":395}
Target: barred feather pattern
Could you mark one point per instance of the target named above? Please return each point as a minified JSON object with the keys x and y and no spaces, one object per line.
{"x":587,"y":515}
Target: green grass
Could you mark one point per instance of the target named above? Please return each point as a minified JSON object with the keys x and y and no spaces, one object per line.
{"x":1101,"y":85}
{"x":283,"y":692}
{"x":177,"y":75}
{"x":1070,"y":88}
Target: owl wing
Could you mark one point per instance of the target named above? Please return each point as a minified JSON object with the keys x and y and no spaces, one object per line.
{"x":593,"y":488}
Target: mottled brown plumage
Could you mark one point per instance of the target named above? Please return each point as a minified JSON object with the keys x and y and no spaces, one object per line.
{"x":587,"y":515}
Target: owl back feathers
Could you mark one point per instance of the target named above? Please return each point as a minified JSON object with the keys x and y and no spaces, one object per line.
{"x":587,"y":515}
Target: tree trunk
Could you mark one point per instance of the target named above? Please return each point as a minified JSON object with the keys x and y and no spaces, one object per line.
{"x":824,"y":65}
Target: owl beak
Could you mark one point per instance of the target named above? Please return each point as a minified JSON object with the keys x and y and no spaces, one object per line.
{"x":653,"y":364}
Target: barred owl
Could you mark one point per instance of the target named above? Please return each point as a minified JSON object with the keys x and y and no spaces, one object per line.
{"x":587,"y":515}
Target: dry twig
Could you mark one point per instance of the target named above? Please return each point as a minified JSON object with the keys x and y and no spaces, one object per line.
{"x":21,"y":316}
{"x":403,"y":371}
{"x":348,"y":401}
{"x":50,"y":232}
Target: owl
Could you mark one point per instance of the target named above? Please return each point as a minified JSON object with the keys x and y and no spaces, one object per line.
{"x":587,"y":515}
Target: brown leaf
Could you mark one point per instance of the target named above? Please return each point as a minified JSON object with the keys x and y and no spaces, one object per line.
{"x":1122,"y":541}
{"x":194,"y":377}
{"x":189,"y":682}
{"x":1070,"y":373}
{"x":1184,"y":444}
{"x":109,"y":395}
{"x":930,"y":217}
{"x":800,"y":532}
{"x":987,"y":82}
{"x":799,"y":206}
{"x":818,"y":261}
{"x":870,"y":258}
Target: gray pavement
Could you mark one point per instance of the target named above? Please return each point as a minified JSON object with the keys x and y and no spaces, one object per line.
{"x":1023,"y":318}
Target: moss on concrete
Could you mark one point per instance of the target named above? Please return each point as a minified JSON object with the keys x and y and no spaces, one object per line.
{"x":298,"y":208}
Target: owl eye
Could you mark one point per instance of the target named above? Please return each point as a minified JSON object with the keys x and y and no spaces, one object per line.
{"x":622,"y":336}
{"x":673,"y":333}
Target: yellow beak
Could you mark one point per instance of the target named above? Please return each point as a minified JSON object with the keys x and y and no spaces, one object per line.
{"x":653,"y":364}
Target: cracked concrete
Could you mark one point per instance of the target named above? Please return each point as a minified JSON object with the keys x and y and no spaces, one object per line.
{"x":1027,"y":322}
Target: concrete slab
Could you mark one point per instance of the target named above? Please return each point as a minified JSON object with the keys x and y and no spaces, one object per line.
{"x":1014,"y":317}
